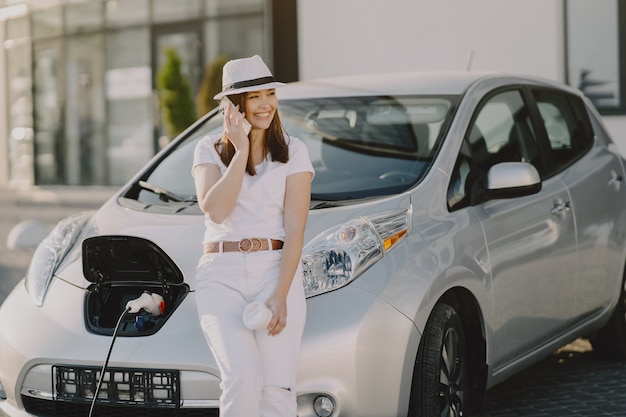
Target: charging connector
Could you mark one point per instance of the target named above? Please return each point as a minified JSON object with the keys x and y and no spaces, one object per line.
{"x":149,"y":302}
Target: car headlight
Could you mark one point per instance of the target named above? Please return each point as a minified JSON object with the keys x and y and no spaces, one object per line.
{"x":50,"y":252}
{"x":339,"y":255}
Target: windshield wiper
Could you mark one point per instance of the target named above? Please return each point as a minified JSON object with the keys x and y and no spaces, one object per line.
{"x":322,"y":204}
{"x":164,"y":194}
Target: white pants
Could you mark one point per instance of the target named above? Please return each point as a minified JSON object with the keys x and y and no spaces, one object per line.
{"x":258,"y":371}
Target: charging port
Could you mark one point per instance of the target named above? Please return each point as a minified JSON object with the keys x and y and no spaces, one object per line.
{"x":121,"y":269}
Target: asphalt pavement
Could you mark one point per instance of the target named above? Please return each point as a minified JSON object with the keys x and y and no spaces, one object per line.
{"x":570,"y":382}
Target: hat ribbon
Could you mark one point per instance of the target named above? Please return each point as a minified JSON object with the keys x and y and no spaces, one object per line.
{"x":248,"y":83}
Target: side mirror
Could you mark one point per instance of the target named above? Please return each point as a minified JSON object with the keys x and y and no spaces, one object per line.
{"x":512,"y":179}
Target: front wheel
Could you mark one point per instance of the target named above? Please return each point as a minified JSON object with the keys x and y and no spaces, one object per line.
{"x":440,"y":376}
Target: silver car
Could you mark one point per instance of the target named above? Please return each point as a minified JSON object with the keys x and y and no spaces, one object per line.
{"x":462,"y":227}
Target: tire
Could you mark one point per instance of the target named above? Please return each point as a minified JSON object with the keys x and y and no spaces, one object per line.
{"x":610,"y":341}
{"x":440,"y":378}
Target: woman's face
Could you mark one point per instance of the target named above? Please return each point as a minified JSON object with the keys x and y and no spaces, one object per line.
{"x":260,"y":108}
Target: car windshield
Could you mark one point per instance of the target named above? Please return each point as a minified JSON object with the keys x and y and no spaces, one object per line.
{"x":360,"y":147}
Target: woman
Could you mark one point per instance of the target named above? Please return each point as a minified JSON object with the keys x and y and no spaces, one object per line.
{"x":255,"y":191}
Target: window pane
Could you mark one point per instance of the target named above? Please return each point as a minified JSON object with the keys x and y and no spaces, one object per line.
{"x":128,"y":48}
{"x":558,"y":132}
{"x":186,"y":45}
{"x":41,"y":3}
{"x":369,"y":146}
{"x":235,"y":37}
{"x":567,"y":129}
{"x":168,"y":10}
{"x":47,"y":22}
{"x":129,"y":103}
{"x":17,"y":28}
{"x":507,"y":133}
{"x":83,"y":16}
{"x":48,"y":113}
{"x":502,"y":132}
{"x":126,"y":12}
{"x":20,"y":110}
{"x":217,"y":7}
{"x":130,"y":138}
{"x":86,"y":153}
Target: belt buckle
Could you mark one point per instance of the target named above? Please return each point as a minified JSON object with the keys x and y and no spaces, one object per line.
{"x":254,"y":244}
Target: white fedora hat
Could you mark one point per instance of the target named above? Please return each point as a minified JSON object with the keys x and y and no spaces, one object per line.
{"x":246,"y":74}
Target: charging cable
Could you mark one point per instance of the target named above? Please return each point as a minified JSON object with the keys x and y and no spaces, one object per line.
{"x":106,"y":362}
{"x":151,"y":303}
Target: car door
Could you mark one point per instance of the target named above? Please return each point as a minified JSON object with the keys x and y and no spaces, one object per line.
{"x":593,"y":174}
{"x":530,"y":240}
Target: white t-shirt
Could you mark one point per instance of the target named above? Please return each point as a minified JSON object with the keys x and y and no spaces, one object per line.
{"x":258,"y":211}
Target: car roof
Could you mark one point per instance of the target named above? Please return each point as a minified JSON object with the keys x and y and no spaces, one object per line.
{"x":435,"y":83}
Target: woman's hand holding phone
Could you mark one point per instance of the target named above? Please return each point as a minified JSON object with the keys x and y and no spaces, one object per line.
{"x":236,"y":126}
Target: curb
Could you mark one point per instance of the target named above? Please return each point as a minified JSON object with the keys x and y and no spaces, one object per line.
{"x":59,"y":196}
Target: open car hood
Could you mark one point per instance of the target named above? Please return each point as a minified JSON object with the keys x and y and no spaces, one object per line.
{"x":127,"y":259}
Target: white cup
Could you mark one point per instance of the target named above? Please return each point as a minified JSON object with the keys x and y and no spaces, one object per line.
{"x":256,"y":316}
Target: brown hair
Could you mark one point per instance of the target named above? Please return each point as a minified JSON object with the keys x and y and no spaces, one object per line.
{"x":274,"y":143}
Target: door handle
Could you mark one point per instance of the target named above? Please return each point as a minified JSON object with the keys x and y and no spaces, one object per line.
{"x":560,"y":208}
{"x":615,"y":181}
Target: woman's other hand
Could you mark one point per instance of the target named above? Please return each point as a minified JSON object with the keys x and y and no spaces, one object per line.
{"x":278,"y":304}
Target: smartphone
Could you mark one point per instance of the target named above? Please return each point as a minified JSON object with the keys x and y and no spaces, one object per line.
{"x":246,"y":124}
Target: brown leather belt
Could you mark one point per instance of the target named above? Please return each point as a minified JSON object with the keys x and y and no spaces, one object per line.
{"x":247,"y":245}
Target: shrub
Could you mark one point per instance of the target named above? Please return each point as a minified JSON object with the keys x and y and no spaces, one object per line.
{"x":211,"y":85}
{"x":175,"y":95}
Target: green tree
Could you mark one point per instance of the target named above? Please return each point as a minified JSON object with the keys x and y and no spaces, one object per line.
{"x":175,"y":95}
{"x":211,"y":85}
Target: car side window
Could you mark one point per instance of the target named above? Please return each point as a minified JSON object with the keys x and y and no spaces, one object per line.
{"x":500,"y":132}
{"x":567,"y":127}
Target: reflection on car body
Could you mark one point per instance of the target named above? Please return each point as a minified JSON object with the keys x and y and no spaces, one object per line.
{"x":462,"y":226}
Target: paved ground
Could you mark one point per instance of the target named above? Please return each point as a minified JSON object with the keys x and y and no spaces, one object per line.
{"x":572,"y":382}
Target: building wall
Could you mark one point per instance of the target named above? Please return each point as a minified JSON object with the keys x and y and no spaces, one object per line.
{"x":352,"y":36}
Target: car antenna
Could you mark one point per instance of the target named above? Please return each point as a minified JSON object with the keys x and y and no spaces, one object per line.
{"x":470,"y":60}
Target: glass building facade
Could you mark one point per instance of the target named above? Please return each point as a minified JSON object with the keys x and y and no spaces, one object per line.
{"x":79,"y":77}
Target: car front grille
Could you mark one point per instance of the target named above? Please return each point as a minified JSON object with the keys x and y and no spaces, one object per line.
{"x":47,"y":408}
